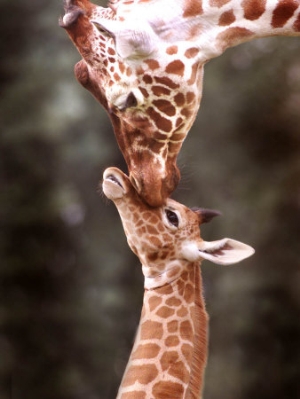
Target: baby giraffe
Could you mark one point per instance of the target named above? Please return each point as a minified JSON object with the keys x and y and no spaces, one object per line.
{"x":169,"y":354}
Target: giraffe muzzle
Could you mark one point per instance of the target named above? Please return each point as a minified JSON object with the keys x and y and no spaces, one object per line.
{"x":113,"y":184}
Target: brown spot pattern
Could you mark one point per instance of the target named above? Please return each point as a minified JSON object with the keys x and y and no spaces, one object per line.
{"x":160,"y":91}
{"x":151,"y":229}
{"x":165,"y":312}
{"x":182,"y":311}
{"x":175,"y":67}
{"x":134,"y":395}
{"x":169,"y":357}
{"x":147,"y":216}
{"x":179,"y":99}
{"x":172,"y":50}
{"x":154,"y":301}
{"x":121,"y":67}
{"x":185,"y":276}
{"x":191,"y":52}
{"x":175,"y":302}
{"x":190,"y":97}
{"x":161,"y":122}
{"x":172,"y":340}
{"x":296,"y":25}
{"x":155,"y":241}
{"x":189,"y":293}
{"x":167,"y":390}
{"x":187,"y":351}
{"x":179,"y":370}
{"x":173,"y":272}
{"x":144,"y":374}
{"x":172,"y":326}
{"x":186,"y":112}
{"x":232,"y":35}
{"x":227,"y":18}
{"x":152,"y":64}
{"x":165,"y":107}
{"x":146,"y":351}
{"x":144,"y":92}
{"x":151,"y":330}
{"x":180,"y":286}
{"x":192,"y":8}
{"x":167,"y":82}
{"x":283,"y":12}
{"x":253,"y":9}
{"x":166,"y":289}
{"x":147,"y":79}
{"x":186,"y":330}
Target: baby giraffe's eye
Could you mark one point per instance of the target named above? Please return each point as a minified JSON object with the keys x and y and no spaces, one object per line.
{"x":172,"y":217}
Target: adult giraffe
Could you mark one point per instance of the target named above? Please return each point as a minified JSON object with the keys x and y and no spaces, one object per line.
{"x":143,"y":60}
{"x":169,"y":355}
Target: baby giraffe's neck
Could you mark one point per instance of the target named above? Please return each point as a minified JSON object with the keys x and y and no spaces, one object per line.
{"x":170,"y":351}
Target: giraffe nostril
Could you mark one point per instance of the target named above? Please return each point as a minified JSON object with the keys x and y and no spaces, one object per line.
{"x":136,"y":184}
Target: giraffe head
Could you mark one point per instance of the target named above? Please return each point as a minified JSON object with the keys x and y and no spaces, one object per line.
{"x":147,"y":77}
{"x":167,"y":237}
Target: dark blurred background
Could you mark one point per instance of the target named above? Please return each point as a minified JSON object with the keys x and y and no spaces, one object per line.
{"x":71,"y":290}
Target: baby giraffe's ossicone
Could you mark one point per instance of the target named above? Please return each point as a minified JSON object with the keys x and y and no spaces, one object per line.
{"x":169,"y":354}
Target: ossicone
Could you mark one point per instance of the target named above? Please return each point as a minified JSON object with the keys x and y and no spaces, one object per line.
{"x":205,"y":215}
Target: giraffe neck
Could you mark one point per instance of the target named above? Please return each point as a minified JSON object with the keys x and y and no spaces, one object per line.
{"x":236,"y":21}
{"x":170,"y":351}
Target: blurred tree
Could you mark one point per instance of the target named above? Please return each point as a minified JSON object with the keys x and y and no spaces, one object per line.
{"x":59,"y":320}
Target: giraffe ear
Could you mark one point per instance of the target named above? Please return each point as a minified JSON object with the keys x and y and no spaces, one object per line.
{"x":130,"y":43}
{"x":225,"y":251}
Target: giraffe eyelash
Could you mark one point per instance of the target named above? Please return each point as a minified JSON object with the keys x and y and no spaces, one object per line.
{"x":171,"y":218}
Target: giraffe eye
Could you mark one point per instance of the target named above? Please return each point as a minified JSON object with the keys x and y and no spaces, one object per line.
{"x":172,"y":217}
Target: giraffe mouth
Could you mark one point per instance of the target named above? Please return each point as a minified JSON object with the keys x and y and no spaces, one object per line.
{"x":114,"y":183}
{"x":113,"y":179}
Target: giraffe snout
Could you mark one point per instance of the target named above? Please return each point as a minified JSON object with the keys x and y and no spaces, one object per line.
{"x":154,"y":189}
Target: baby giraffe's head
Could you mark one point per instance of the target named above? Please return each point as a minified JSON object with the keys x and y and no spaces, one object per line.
{"x":167,"y":238}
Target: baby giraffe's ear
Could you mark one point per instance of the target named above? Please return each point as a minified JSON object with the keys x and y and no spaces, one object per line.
{"x":225,"y":251}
